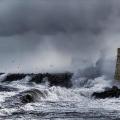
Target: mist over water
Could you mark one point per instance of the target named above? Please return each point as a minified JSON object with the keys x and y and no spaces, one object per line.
{"x":41,"y":37}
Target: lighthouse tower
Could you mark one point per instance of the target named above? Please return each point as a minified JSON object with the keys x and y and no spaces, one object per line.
{"x":117,"y":71}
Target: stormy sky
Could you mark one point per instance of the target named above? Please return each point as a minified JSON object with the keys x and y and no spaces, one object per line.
{"x":57,"y":35}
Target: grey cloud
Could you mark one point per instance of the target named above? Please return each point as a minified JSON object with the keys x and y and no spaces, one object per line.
{"x":50,"y":17}
{"x":74,"y":29}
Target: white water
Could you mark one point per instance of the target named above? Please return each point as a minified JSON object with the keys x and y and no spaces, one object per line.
{"x":62,"y":102}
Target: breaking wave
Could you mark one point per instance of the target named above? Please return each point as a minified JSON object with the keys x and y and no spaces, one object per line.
{"x":52,"y":91}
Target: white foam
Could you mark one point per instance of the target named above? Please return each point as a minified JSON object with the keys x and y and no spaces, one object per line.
{"x":79,"y":96}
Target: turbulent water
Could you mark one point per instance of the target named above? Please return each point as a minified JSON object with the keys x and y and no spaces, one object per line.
{"x":59,"y":103}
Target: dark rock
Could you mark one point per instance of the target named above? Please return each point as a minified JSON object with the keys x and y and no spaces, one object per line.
{"x":28,"y":96}
{"x":109,"y":93}
{"x":63,"y":80}
{"x":54,"y":79}
{"x":14,"y":77}
{"x":32,"y":95}
{"x":2,"y":73}
{"x":37,"y":78}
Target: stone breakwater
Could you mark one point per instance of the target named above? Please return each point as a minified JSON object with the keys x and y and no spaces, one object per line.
{"x":54,"y":79}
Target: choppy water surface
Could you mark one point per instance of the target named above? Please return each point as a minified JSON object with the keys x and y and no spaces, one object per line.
{"x":60,"y":103}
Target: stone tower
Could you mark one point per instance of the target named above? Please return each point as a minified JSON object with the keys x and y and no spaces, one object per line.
{"x":117,"y":71}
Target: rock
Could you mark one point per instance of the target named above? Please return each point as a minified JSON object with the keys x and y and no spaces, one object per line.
{"x":61,"y":79}
{"x":2,"y":73}
{"x":28,"y":98}
{"x":33,"y":95}
{"x":54,"y":79}
{"x":109,"y":93}
{"x":37,"y":78}
{"x":22,"y":98}
{"x":14,"y":77}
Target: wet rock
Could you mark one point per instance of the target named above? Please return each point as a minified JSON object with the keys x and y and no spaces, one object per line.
{"x":22,"y":98}
{"x":14,"y":77}
{"x":63,"y":80}
{"x":37,"y":78}
{"x":54,"y":79}
{"x":33,"y":95}
{"x":2,"y":73}
{"x":109,"y":93}
{"x":28,"y":98}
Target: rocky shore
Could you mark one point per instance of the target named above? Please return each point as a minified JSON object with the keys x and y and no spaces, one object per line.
{"x":54,"y":79}
{"x":109,"y":93}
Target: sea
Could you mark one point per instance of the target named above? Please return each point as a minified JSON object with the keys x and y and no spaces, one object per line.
{"x":60,"y":103}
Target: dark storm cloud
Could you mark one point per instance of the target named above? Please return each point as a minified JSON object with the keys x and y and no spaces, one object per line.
{"x":50,"y":17}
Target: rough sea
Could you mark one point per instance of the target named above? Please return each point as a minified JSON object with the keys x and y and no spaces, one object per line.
{"x":59,"y":103}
